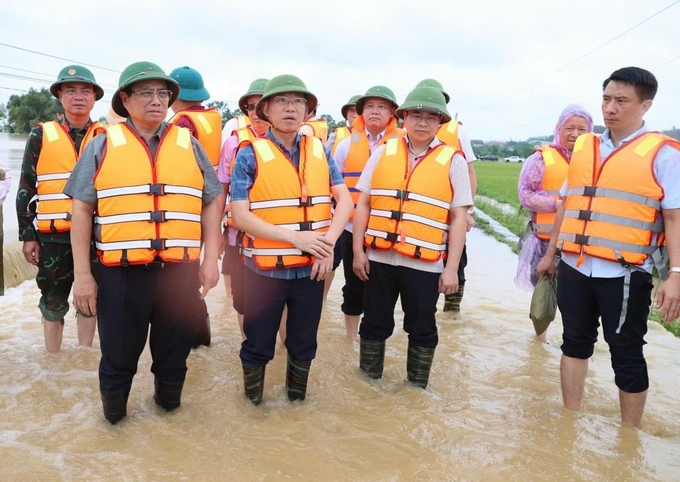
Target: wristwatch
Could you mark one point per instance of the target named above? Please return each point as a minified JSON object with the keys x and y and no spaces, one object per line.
{"x":674,"y":269}
{"x":471,"y":210}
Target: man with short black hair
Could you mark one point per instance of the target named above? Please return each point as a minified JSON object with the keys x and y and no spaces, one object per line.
{"x":611,"y":229}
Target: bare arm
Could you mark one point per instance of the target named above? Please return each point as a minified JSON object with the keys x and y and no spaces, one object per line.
{"x":208,"y":273}
{"x":473,"y":179}
{"x":456,"y":237}
{"x":547,"y":265}
{"x":343,"y":209}
{"x":84,"y":285}
{"x":668,"y":296}
{"x":360,"y":265}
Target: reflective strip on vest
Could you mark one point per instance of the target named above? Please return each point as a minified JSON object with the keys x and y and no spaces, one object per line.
{"x":607,"y":243}
{"x":157,"y":216}
{"x":49,"y":217}
{"x":52,"y":197}
{"x":583,"y":215}
{"x":156,"y":189}
{"x":156,"y":244}
{"x":308,"y":226}
{"x":280,"y":203}
{"x":409,"y":217}
{"x":541,"y":228}
{"x":553,"y":192}
{"x":592,"y":191}
{"x":407,"y":239}
{"x":53,"y":177}
{"x":250,"y":252}
{"x":410,"y":195}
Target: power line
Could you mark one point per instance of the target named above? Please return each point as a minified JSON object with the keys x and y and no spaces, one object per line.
{"x":12,"y":88}
{"x":579,"y":58}
{"x":62,"y":58}
{"x":43,"y":73}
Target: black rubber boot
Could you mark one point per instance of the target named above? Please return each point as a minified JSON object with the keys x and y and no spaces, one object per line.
{"x":167,"y":395}
{"x":253,"y":380}
{"x":452,"y":301}
{"x":372,"y":358}
{"x":115,"y":404}
{"x":418,"y":365}
{"x":297,"y":374}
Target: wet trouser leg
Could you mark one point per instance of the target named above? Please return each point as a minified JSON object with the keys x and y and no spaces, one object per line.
{"x":583,"y":300}
{"x":128,"y":301}
{"x":54,"y":279}
{"x":380,"y":296}
{"x":452,"y":302}
{"x":419,"y":292}
{"x":353,"y":291}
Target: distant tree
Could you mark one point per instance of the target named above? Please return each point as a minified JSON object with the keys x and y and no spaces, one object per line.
{"x":674,"y":133}
{"x":332,"y":123}
{"x":103,"y":120}
{"x":28,"y":109}
{"x":3,"y":117}
{"x":223,"y":108}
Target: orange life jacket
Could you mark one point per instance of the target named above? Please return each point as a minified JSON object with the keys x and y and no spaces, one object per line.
{"x":448,"y":134}
{"x":613,"y":208}
{"x":296,"y":199}
{"x":556,"y":167}
{"x":360,"y":151}
{"x":245,"y":136}
{"x":340,"y":134}
{"x":208,"y":130}
{"x":57,"y":159}
{"x":148,"y":207}
{"x":320,"y":128}
{"x":410,"y":209}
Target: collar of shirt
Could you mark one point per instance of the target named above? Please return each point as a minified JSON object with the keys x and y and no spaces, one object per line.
{"x":159,"y":132}
{"x":75,"y":130}
{"x":376,"y":139}
{"x":607,"y":140}
{"x":435,"y":142}
{"x":291,"y":154}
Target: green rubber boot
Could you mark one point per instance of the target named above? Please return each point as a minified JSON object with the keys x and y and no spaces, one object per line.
{"x":418,"y":365}
{"x":253,"y":380}
{"x":452,"y":301}
{"x":372,"y":358}
{"x":297,"y":374}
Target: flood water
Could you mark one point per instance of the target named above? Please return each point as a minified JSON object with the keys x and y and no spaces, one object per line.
{"x":492,"y":411}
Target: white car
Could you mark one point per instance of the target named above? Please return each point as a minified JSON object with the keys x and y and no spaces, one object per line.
{"x":514,"y":159}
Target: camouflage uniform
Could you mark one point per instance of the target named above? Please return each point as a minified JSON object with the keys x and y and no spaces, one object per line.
{"x":55,"y":268}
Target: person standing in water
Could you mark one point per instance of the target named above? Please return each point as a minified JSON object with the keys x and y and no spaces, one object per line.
{"x":538,"y":189}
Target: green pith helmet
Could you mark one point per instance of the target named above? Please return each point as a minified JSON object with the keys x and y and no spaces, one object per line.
{"x":76,"y":73}
{"x":136,"y":73}
{"x":377,"y":91}
{"x":351,"y":102}
{"x":57,"y":108}
{"x":256,"y":88}
{"x":283,"y":84}
{"x":191,"y":88}
{"x":434,"y":84}
{"x":425,"y":98}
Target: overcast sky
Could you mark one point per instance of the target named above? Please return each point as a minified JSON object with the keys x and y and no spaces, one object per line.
{"x":487,"y":54}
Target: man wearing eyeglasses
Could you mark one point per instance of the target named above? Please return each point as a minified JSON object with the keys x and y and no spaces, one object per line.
{"x":281,"y":188}
{"x":155,"y":194}
{"x":415,"y":192}
{"x":373,"y":126}
{"x":44,"y":212}
{"x":232,"y":266}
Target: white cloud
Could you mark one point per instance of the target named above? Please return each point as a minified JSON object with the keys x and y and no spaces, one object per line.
{"x":485,"y":53}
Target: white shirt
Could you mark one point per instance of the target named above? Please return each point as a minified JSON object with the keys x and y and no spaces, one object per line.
{"x":667,"y":172}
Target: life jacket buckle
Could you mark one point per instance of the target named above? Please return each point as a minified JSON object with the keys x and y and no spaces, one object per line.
{"x":401,"y":194}
{"x":590,"y":191}
{"x":305,"y":226}
{"x":396,"y":215}
{"x":68,"y":216}
{"x":392,"y":237}
{"x":158,"y":244}
{"x":157,"y":189}
{"x":581,"y":239}
{"x":157,"y":217}
{"x":584,"y":215}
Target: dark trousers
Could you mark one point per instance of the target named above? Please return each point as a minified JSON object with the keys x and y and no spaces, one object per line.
{"x":584,"y":300}
{"x":353,"y":291}
{"x":264,"y":301}
{"x":128,"y":301}
{"x":419,"y":291}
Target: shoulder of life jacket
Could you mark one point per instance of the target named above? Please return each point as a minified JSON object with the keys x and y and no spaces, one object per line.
{"x":245,"y":136}
{"x":293,"y":198}
{"x":57,"y":159}
{"x":320,"y":128}
{"x":555,"y":172}
{"x":410,"y":208}
{"x":609,"y":215}
{"x":148,"y":208}
{"x":448,"y":134}
{"x":208,"y":125}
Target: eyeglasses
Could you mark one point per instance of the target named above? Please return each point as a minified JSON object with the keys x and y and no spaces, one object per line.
{"x":428,"y":119}
{"x":297,"y":102}
{"x":250,"y":107}
{"x":147,"y":94}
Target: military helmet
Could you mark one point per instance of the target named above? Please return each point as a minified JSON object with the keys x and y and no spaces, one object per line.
{"x":76,"y":73}
{"x":256,"y":88}
{"x":351,"y":102}
{"x":436,"y":85}
{"x":57,"y":108}
{"x":136,"y":73}
{"x":377,"y":91}
{"x":283,"y":84}
{"x":191,"y":88}
{"x":425,"y":98}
